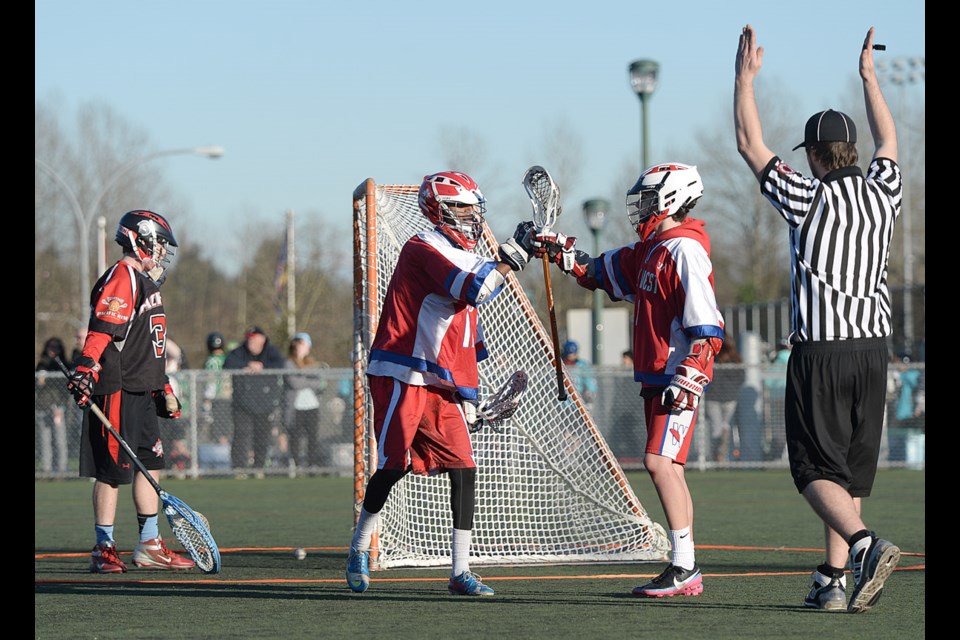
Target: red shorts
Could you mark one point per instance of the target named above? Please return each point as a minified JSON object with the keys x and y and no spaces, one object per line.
{"x":421,"y":427}
{"x":669,"y":433}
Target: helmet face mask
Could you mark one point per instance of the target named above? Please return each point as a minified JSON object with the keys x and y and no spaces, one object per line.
{"x":662,"y":191}
{"x":453,"y":202}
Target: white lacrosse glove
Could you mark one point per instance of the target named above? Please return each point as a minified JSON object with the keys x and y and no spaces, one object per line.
{"x":685,"y":389}
{"x":469,"y":412}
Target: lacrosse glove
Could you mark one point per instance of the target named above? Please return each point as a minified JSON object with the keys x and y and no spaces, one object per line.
{"x":83,"y":380}
{"x":689,"y":380}
{"x":168,"y":405}
{"x":562,"y":250}
{"x":517,"y":251}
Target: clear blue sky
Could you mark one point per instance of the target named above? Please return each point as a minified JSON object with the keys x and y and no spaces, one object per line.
{"x":311,"y":97}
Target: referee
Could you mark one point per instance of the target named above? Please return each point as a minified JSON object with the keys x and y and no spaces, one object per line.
{"x":841,"y":224}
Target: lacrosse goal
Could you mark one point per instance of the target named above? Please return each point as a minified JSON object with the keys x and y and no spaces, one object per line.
{"x":549,"y":489}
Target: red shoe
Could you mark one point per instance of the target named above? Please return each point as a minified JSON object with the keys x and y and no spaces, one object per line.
{"x":104,"y":559}
{"x":154,"y":553}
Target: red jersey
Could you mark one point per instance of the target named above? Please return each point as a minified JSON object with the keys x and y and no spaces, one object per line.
{"x":429,"y":331}
{"x":669,"y":280}
{"x":126,"y":305}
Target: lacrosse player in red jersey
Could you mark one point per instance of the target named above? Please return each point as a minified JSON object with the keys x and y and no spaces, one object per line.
{"x":668,"y":276}
{"x":122,"y":371}
{"x":422,"y":369}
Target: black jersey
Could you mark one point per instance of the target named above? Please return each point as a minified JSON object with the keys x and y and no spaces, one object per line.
{"x":126,"y":305}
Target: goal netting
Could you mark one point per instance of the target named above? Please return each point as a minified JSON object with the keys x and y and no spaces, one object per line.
{"x":549,"y":489}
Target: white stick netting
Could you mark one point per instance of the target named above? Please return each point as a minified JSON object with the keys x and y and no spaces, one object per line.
{"x":549,"y":490}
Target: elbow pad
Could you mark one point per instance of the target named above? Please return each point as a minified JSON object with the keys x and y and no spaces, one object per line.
{"x":702,"y":351}
{"x":490,"y":285}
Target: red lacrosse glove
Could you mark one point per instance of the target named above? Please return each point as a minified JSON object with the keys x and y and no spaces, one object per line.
{"x":83,"y":380}
{"x":562,"y":249}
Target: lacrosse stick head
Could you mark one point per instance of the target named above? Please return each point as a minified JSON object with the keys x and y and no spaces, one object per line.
{"x":500,"y":406}
{"x":544,"y":196}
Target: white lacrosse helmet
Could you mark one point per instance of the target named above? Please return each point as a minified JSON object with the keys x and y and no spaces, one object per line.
{"x":662,"y":191}
{"x":438,"y":189}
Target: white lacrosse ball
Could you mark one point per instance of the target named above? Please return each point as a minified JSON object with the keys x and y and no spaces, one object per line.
{"x":300,"y":553}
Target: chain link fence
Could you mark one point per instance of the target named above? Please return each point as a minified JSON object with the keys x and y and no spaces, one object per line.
{"x":272,"y":429}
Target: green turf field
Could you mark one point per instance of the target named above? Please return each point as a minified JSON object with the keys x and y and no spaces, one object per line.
{"x":757,"y":542}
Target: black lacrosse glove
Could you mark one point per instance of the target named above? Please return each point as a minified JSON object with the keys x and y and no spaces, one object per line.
{"x":83,"y":380}
{"x":167,"y":403}
{"x":517,"y":251}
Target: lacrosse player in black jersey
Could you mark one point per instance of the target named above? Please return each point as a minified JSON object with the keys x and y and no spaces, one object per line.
{"x":121,"y":370}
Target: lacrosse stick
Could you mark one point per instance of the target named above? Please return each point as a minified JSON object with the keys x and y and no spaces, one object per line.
{"x":495,"y":409}
{"x":190,"y":527}
{"x":545,"y":200}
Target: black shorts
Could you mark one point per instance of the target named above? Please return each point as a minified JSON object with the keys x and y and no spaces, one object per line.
{"x":834,"y":404}
{"x":134,"y":416}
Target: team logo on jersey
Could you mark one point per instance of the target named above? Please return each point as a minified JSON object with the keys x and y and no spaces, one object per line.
{"x":157,"y":448}
{"x":648,"y":281}
{"x":114,"y":308}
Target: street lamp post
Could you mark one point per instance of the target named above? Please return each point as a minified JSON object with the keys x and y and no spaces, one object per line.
{"x":595,"y":213}
{"x":903,"y":72}
{"x":643,"y":81}
{"x":85,"y":218}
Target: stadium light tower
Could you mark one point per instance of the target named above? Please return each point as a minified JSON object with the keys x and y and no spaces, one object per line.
{"x":85,"y":218}
{"x":595,"y":213}
{"x":901,"y":72}
{"x":643,"y":80}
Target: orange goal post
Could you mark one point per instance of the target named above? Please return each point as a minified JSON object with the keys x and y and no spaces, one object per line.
{"x":549,"y":489}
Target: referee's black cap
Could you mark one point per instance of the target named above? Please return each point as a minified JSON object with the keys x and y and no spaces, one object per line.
{"x":828,"y":126}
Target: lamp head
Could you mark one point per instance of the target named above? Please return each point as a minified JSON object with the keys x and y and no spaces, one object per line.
{"x":643,"y":77}
{"x":595,"y":213}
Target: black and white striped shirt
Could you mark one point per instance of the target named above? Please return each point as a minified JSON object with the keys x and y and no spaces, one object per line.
{"x":840,"y":234}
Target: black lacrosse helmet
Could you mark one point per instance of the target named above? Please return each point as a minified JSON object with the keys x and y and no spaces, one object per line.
{"x":144,"y":232}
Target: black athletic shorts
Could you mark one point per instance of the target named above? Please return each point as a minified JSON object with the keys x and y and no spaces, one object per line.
{"x":834,"y":404}
{"x":134,"y":416}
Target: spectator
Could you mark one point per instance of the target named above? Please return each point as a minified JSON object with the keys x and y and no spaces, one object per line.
{"x":774,"y":390}
{"x":585,"y":383}
{"x":79,"y":338}
{"x":302,"y":413}
{"x":215,"y":413}
{"x":911,"y":401}
{"x":51,"y":408}
{"x":179,"y":457}
{"x":721,"y":397}
{"x":256,"y":399}
{"x":626,"y":358}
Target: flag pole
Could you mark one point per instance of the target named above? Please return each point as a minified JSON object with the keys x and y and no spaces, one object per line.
{"x":291,"y":276}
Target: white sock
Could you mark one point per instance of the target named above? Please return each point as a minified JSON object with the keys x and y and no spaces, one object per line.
{"x":461,"y":551}
{"x":366,"y":525}
{"x":683,"y":553}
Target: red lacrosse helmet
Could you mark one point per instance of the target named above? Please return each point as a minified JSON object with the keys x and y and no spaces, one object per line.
{"x":463,"y":226}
